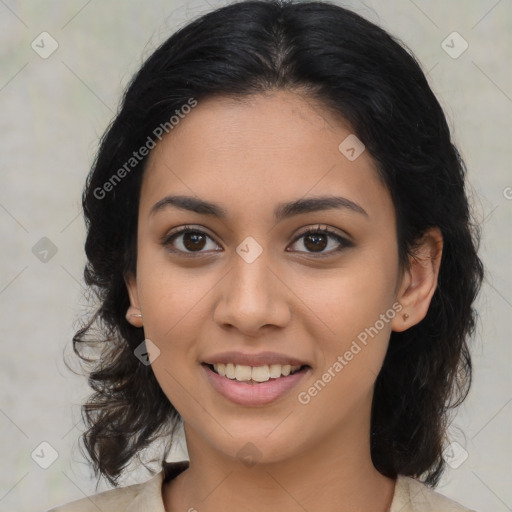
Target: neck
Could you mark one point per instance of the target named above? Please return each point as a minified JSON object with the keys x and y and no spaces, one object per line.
{"x":335,"y":476}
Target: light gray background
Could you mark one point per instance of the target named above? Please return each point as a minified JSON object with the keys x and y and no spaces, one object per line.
{"x":53,"y":111}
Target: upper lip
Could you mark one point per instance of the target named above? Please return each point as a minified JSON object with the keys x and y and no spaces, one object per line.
{"x":258,"y":359}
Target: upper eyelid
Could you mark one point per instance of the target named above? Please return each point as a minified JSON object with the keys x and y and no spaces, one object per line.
{"x":183,"y":229}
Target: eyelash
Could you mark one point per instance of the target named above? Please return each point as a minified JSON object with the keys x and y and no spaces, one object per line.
{"x":344,"y":243}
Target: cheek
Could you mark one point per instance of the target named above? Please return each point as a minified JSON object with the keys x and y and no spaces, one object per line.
{"x":353,"y":315}
{"x":171,"y":305}
{"x":347,"y":300}
{"x":173,"y":308}
{"x":171,"y":296}
{"x":358,"y":311}
{"x":173,"y":316}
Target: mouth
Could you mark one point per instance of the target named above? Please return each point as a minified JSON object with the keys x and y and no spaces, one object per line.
{"x":255,"y":374}
{"x":253,"y":386}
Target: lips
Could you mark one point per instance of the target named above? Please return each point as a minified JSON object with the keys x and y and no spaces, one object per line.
{"x":254,"y":379}
{"x":257,"y":359}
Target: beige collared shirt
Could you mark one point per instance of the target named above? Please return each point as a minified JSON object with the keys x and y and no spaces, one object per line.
{"x":410,"y":496}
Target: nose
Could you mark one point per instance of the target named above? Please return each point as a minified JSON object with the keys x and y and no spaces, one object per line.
{"x":252,"y":296}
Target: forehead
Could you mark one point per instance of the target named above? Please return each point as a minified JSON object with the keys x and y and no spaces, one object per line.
{"x":262,"y":150}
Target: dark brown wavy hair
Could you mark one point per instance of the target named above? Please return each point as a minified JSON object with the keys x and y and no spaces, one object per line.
{"x":357,"y":70}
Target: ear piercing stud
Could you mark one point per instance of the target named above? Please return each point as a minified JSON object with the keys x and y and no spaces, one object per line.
{"x":405,"y":316}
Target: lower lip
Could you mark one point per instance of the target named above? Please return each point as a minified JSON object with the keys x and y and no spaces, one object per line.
{"x":250,"y":393}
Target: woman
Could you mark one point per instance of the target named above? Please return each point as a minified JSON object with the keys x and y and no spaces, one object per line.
{"x":285,"y":261}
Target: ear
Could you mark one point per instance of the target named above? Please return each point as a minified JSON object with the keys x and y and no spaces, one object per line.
{"x":419,"y":281}
{"x":133,"y":314}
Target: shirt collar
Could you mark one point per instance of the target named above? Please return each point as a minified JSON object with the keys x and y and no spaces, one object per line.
{"x":150,"y":495}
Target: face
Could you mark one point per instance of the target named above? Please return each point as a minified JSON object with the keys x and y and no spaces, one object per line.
{"x":247,"y":284}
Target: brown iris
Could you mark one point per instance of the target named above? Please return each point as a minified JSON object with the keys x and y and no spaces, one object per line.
{"x":194,"y":240}
{"x":319,"y":242}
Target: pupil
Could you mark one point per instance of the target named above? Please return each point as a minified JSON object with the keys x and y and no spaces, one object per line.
{"x":190,"y":241}
{"x":316,"y":238}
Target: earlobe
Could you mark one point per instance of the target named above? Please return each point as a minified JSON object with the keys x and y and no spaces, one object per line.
{"x":419,"y":281}
{"x":133,"y":314}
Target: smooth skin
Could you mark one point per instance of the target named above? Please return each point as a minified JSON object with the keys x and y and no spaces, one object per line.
{"x":300,"y":297}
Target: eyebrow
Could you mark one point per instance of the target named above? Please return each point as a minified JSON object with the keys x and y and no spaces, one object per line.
{"x":281,"y":212}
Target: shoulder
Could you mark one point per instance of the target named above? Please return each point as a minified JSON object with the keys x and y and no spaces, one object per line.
{"x":411,"y":495}
{"x":136,"y":497}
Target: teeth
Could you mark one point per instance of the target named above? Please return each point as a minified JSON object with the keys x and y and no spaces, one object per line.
{"x":243,"y":373}
{"x":229,"y":372}
{"x":275,"y":371}
{"x":260,"y":373}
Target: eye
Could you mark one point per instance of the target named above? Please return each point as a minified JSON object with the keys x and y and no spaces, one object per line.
{"x":317,"y":239}
{"x":189,"y":240}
